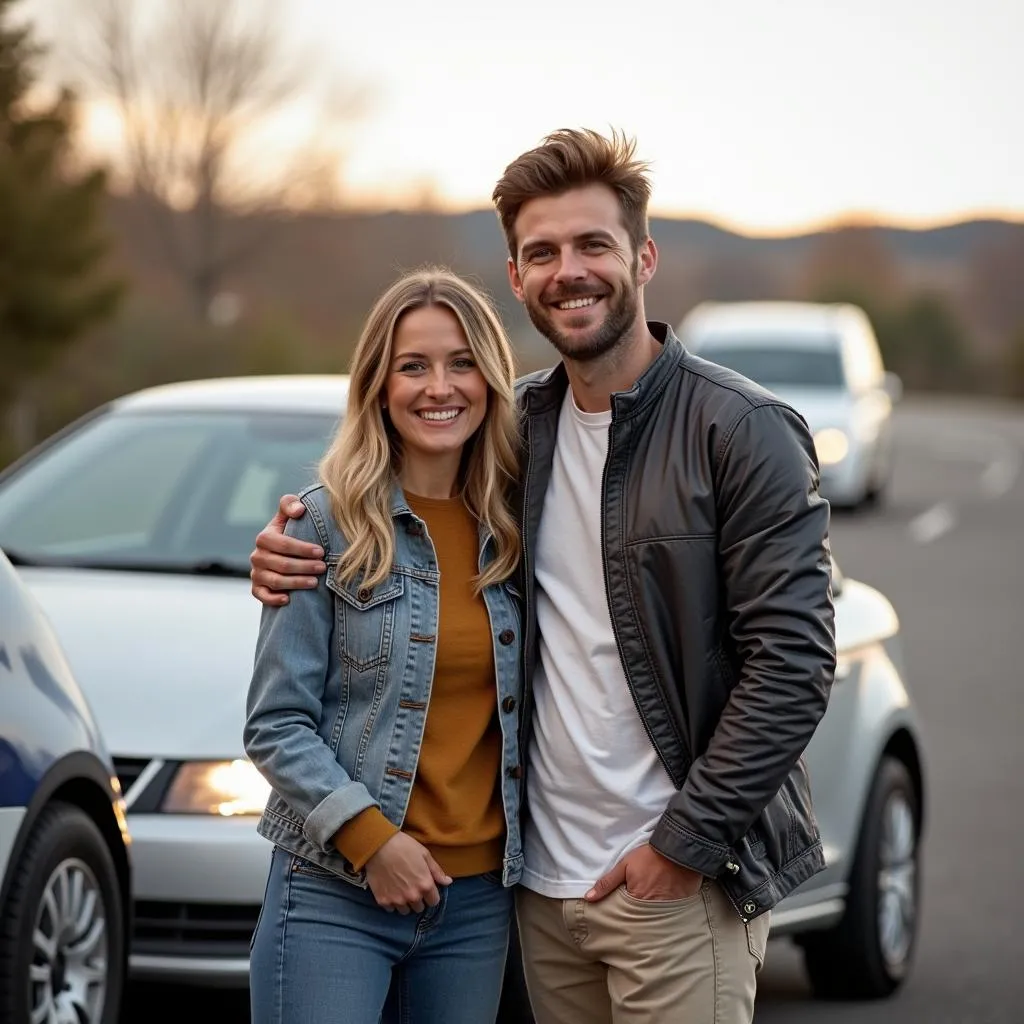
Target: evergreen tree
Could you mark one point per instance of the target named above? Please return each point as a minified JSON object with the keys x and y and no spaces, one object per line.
{"x":52,"y":283}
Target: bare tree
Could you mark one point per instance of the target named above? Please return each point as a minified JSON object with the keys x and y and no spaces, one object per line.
{"x":198,"y":86}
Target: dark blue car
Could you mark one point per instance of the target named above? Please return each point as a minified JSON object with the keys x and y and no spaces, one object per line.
{"x":64,"y":866}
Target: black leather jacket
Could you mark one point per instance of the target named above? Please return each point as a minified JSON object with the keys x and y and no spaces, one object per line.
{"x":718,"y":575}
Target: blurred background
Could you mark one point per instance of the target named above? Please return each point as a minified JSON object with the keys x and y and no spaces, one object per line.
{"x":196,"y":188}
{"x":229,"y":184}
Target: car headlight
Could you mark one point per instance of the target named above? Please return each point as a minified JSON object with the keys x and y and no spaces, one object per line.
{"x":832,"y":446}
{"x":226,"y":788}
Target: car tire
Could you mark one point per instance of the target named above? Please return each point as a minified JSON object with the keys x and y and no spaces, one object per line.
{"x":62,"y":941}
{"x":874,"y":497}
{"x":868,"y":954}
{"x":878,"y":489}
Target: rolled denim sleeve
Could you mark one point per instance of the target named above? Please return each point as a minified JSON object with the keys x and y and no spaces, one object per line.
{"x":285,"y":704}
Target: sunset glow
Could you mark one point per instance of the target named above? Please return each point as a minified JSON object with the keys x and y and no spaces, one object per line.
{"x":763,"y":117}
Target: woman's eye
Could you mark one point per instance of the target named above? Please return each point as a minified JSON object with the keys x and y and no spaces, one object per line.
{"x":410,"y":367}
{"x":464,"y":364}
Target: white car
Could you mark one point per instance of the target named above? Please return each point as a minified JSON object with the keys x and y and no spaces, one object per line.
{"x":824,"y":360}
{"x":134,"y":527}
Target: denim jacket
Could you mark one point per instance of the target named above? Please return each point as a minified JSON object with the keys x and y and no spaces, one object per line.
{"x":341,"y":686}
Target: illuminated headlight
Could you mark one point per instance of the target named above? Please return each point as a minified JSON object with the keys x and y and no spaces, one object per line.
{"x":226,"y":788}
{"x":832,"y":446}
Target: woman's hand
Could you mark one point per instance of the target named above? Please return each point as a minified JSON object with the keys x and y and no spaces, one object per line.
{"x":403,"y":876}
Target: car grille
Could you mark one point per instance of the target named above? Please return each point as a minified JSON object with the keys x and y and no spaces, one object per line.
{"x":193,"y":929}
{"x":128,"y":771}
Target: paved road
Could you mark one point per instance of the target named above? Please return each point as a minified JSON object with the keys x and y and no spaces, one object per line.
{"x":948,"y":550}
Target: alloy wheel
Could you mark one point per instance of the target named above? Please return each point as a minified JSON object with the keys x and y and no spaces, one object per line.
{"x":68,"y":974}
{"x":897,"y":880}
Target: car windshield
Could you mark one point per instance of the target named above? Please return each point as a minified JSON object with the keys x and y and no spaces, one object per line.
{"x":778,"y":365}
{"x":171,"y":492}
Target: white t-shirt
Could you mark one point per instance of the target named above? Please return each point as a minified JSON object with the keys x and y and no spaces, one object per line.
{"x":596,"y":787}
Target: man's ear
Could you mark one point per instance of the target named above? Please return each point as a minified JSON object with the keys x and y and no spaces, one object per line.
{"x":647,"y":262}
{"x":515,"y":282}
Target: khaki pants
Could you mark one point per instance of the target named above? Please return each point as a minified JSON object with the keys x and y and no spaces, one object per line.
{"x":630,"y":961}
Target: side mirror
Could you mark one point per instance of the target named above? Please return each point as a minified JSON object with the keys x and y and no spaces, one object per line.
{"x":893,"y":386}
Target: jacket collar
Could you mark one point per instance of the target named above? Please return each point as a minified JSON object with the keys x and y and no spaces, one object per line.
{"x":540,"y":392}
{"x":399,"y":506}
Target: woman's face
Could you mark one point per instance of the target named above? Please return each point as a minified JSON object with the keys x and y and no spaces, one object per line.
{"x":435,"y":394}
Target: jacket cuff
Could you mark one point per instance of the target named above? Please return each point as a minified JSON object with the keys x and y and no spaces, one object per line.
{"x":333,"y":811}
{"x":362,"y":836}
{"x":688,"y":849}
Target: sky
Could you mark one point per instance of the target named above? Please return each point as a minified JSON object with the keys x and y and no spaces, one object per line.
{"x":768,"y":116}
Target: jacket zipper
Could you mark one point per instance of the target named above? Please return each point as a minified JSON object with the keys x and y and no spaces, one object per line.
{"x":608,"y":598}
{"x":731,"y":866}
{"x":529,"y":608}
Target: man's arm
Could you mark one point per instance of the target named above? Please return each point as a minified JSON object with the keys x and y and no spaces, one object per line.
{"x":776,"y":578}
{"x":279,"y":562}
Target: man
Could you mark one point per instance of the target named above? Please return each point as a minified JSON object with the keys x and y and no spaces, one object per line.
{"x":678,"y":623}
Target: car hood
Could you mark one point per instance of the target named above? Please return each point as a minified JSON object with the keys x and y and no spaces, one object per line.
{"x":820,"y":407}
{"x":163,"y":660}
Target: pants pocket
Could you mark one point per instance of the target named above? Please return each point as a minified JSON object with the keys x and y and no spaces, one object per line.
{"x":757,"y":937}
{"x":301,"y":866}
{"x":665,"y":905}
{"x":274,"y":853}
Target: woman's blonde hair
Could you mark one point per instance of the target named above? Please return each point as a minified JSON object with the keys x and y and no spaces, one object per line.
{"x":362,"y":464}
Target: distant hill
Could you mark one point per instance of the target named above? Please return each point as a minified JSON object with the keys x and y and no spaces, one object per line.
{"x":479,"y":234}
{"x":325,"y":269}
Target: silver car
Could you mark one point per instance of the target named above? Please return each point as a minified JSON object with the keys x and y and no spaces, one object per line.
{"x":824,"y":360}
{"x":133,"y":527}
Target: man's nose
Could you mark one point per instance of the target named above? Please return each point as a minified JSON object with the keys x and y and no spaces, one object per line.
{"x":570,"y":265}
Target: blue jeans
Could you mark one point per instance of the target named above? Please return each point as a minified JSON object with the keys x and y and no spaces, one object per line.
{"x":324,"y":952}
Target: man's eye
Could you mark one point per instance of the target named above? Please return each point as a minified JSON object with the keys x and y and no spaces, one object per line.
{"x":537,"y":255}
{"x":594,"y":244}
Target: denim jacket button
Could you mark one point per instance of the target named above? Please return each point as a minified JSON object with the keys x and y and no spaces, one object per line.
{"x":364,"y":594}
{"x":508,"y":704}
{"x":505,"y":637}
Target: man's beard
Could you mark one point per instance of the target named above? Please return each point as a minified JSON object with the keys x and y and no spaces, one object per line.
{"x":622,"y":311}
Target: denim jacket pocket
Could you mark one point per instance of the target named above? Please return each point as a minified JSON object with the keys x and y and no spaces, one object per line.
{"x":365,"y":616}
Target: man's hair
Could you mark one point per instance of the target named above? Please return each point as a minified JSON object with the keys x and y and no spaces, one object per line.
{"x":573,"y":158}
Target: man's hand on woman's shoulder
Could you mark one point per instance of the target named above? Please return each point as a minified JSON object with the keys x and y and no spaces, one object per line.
{"x":280,"y":563}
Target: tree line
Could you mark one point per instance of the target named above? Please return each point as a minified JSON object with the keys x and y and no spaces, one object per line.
{"x":148,"y":271}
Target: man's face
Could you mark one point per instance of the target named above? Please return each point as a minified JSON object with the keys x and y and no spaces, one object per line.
{"x":576,"y":271}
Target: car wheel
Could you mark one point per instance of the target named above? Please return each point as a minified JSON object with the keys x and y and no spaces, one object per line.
{"x":874,"y":497}
{"x":61,"y":932}
{"x":868,"y":954}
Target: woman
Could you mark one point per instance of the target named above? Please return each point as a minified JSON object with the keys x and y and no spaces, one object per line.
{"x":383,"y":705}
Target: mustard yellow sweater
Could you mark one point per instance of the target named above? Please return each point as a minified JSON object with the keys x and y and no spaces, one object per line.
{"x":455,"y":807}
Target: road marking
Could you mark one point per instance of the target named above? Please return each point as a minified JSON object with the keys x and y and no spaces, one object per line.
{"x":931,"y":525}
{"x":1000,"y":460}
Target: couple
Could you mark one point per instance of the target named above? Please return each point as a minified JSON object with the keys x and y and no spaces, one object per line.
{"x":599,"y":597}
